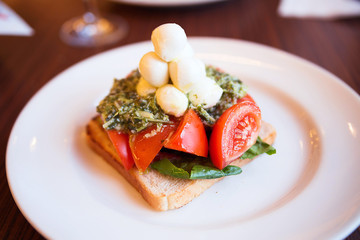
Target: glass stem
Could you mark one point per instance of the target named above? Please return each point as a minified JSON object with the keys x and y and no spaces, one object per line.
{"x":91,"y":12}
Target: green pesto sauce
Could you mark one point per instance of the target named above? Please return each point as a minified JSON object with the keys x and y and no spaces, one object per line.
{"x":233,"y":90}
{"x":124,"y":110}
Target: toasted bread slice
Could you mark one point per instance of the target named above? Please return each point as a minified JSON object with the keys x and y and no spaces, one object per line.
{"x":160,"y":191}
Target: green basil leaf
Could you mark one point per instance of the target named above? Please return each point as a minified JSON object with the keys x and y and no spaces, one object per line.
{"x":258,"y":148}
{"x":205,"y":172}
{"x":192,"y":169}
{"x":187,"y":166}
{"x":232,"y":170}
{"x":165,"y":167}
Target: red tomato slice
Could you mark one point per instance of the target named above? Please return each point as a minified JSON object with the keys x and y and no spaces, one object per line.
{"x":147,"y":143}
{"x":121,"y":144}
{"x":190,"y":136}
{"x":234,"y":132}
{"x":247,"y":97}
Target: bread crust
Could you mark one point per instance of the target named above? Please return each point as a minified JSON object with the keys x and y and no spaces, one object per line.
{"x":160,"y":191}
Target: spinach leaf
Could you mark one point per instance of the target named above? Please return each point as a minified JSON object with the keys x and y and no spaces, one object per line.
{"x":205,"y":172}
{"x":258,"y":148}
{"x":165,"y":167}
{"x":187,"y":166}
{"x":194,"y":170}
{"x":231,"y":170}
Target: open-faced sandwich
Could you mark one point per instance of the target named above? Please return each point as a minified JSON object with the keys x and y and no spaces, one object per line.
{"x":175,"y":126}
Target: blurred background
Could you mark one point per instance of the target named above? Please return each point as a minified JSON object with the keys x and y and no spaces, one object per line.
{"x":31,"y":55}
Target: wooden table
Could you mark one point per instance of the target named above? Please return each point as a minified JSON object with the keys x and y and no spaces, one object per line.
{"x":27,"y":63}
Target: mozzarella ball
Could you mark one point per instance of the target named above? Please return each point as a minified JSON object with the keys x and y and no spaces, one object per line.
{"x":187,"y":52}
{"x":171,"y":100}
{"x":143,"y":88}
{"x":154,"y":70}
{"x":206,"y":93}
{"x":169,"y":41}
{"x":185,"y":73}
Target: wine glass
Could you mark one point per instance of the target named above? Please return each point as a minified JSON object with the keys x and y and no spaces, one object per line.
{"x":91,"y":29}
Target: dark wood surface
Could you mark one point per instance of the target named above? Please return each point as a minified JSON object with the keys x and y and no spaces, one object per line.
{"x":27,"y":63}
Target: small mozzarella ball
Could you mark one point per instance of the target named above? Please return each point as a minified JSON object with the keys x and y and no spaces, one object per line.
{"x":143,"y":88}
{"x":186,"y":72}
{"x":171,"y":100}
{"x":206,"y":93}
{"x":154,"y":69}
{"x":187,"y":52}
{"x":169,"y":41}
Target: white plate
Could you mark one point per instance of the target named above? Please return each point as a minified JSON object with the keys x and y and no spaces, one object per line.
{"x":166,"y":3}
{"x":309,"y":190}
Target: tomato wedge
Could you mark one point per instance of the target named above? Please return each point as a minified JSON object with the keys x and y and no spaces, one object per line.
{"x":147,"y":143}
{"x":121,"y":144}
{"x":190,"y":136}
{"x":234,"y":132}
{"x":247,"y":97}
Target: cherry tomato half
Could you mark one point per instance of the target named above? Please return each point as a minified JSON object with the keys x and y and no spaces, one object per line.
{"x":190,"y":136}
{"x":147,"y":143}
{"x":234,"y":132}
{"x":121,"y":144}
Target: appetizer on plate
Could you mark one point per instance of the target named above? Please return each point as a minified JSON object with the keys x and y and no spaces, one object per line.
{"x":175,"y":126}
